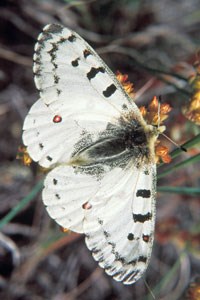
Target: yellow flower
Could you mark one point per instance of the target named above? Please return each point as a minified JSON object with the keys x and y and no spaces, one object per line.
{"x":193,"y":292}
{"x":192,"y":109}
{"x":64,"y":230}
{"x":155,"y":113}
{"x":162,"y":153}
{"x":127,"y":85}
{"x":23,"y":155}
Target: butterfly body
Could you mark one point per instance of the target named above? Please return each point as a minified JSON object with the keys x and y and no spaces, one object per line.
{"x":100,"y":150}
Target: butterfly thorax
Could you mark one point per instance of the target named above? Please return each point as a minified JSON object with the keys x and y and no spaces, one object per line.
{"x":121,"y":142}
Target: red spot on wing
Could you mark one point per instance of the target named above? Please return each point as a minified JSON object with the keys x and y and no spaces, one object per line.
{"x":57,"y":119}
{"x":87,"y":205}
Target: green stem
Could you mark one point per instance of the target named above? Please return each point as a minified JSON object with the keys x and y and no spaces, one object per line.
{"x":21,"y":204}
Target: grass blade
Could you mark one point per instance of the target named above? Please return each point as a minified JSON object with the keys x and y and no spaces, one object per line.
{"x":191,"y":160}
{"x":21,"y":204}
{"x":180,"y":190}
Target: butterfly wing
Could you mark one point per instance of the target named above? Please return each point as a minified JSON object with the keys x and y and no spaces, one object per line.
{"x":76,"y":86}
{"x":50,"y":142}
{"x":67,"y":70}
{"x":64,"y":194}
{"x":119,"y":227}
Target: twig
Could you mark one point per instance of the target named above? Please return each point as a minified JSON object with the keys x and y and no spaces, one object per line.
{"x":14,"y":57}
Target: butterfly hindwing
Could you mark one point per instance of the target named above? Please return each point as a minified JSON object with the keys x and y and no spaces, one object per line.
{"x":116,"y":213}
{"x":65,"y":192}
{"x":119,"y":228}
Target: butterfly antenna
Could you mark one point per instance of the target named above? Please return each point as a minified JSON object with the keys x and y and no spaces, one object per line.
{"x":149,"y":289}
{"x":174,"y":143}
{"x":159,"y":113}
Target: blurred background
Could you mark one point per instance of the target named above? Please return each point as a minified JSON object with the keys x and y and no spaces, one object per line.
{"x":156,"y":43}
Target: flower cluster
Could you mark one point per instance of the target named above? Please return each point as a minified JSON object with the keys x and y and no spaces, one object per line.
{"x":193,"y":291}
{"x":127,"y":85}
{"x":155,"y":114}
{"x":192,"y":109}
{"x":162,"y":153}
{"x":23,"y":155}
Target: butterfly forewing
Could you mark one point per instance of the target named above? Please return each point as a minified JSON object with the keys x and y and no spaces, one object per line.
{"x":50,"y":142}
{"x":87,"y":129}
{"x":74,"y":91}
{"x":65,"y":63}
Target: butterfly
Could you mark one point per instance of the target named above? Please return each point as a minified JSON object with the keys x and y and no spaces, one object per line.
{"x":100,"y":152}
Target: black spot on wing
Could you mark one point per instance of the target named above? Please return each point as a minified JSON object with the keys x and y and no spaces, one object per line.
{"x":113,"y":245}
{"x":143,"y":193}
{"x":62,"y":40}
{"x":106,"y":234}
{"x":130,"y":237}
{"x":117,"y":255}
{"x":55,"y":181}
{"x":109,"y":91}
{"x":100,"y":222}
{"x":41,"y":146}
{"x":53,"y":50}
{"x":142,"y":218}
{"x":94,"y":71}
{"x":75,"y":62}
{"x":86,"y":53}
{"x":142,"y":259}
{"x":57,"y":196}
{"x":56,"y":79}
{"x":52,"y":54}
{"x":72,"y":38}
{"x":49,"y":158}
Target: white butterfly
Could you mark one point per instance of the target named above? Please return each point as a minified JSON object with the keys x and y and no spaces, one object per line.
{"x":101,"y":152}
